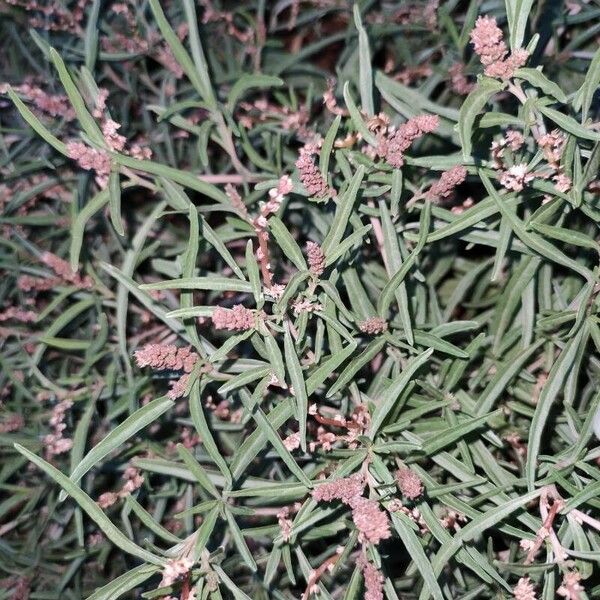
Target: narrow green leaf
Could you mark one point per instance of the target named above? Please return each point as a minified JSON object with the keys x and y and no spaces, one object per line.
{"x":92,"y":509}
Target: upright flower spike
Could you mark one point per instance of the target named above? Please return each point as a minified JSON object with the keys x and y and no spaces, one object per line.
{"x":310,"y":175}
{"x":373,"y":577}
{"x":372,"y":523}
{"x":316,"y":258}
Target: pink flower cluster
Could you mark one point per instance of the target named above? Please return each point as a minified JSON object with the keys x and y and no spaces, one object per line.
{"x":133,"y":481}
{"x":99,"y":160}
{"x":444,"y":187}
{"x":373,"y":326}
{"x":174,"y":569}
{"x":238,"y":318}
{"x":55,"y":442}
{"x":570,"y":588}
{"x":167,"y":357}
{"x":90,"y":159}
{"x":12,"y":422}
{"x":65,"y":273}
{"x":55,"y":105}
{"x":524,"y":590}
{"x":12,"y":313}
{"x":345,"y":489}
{"x":310,"y":175}
{"x":260,"y":223}
{"x":410,"y":483}
{"x":316,"y":258}
{"x":373,"y":579}
{"x":393,"y":146}
{"x":460,"y":84}
{"x":284,"y":521}
{"x":488,"y":41}
{"x":516,"y":177}
{"x":372,"y":522}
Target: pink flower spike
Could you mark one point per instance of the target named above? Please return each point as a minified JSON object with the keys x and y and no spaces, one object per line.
{"x":238,"y":318}
{"x":310,"y":175}
{"x":339,"y":489}
{"x":444,"y":187}
{"x":488,"y":41}
{"x":393,"y":147}
{"x":316,"y":258}
{"x":372,"y":523}
{"x":373,"y":579}
{"x":410,"y":483}
{"x":164,"y":356}
{"x":373,"y":325}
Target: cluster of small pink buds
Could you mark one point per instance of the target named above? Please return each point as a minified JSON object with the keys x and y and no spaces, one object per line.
{"x":65,"y":273}
{"x":373,"y":326}
{"x":410,"y":483}
{"x":165,"y":57}
{"x":276,"y":196}
{"x":524,"y":590}
{"x":460,"y":84}
{"x":174,"y":569}
{"x":488,"y":41}
{"x":166,"y":356}
{"x":55,"y":442}
{"x":444,"y":187}
{"x":284,"y":521}
{"x":372,"y":522}
{"x":373,"y":579}
{"x":552,"y":144}
{"x":54,"y":105}
{"x":12,"y":313}
{"x":292,"y":441}
{"x":12,"y":422}
{"x":238,"y":318}
{"x":91,"y":159}
{"x":316,"y":258}
{"x":179,"y":387}
{"x":393,"y":147}
{"x":345,"y":489}
{"x":325,"y":440}
{"x":310,"y":175}
{"x":516,"y":177}
{"x":236,"y":200}
{"x":114,"y":140}
{"x":133,"y":481}
{"x":570,"y":588}
{"x":413,"y":513}
{"x":26,"y":283}
{"x":304,"y":305}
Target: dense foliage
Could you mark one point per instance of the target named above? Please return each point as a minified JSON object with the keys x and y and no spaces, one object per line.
{"x":300,"y":299}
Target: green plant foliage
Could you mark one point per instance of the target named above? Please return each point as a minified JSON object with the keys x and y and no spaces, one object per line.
{"x":299,"y":300}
